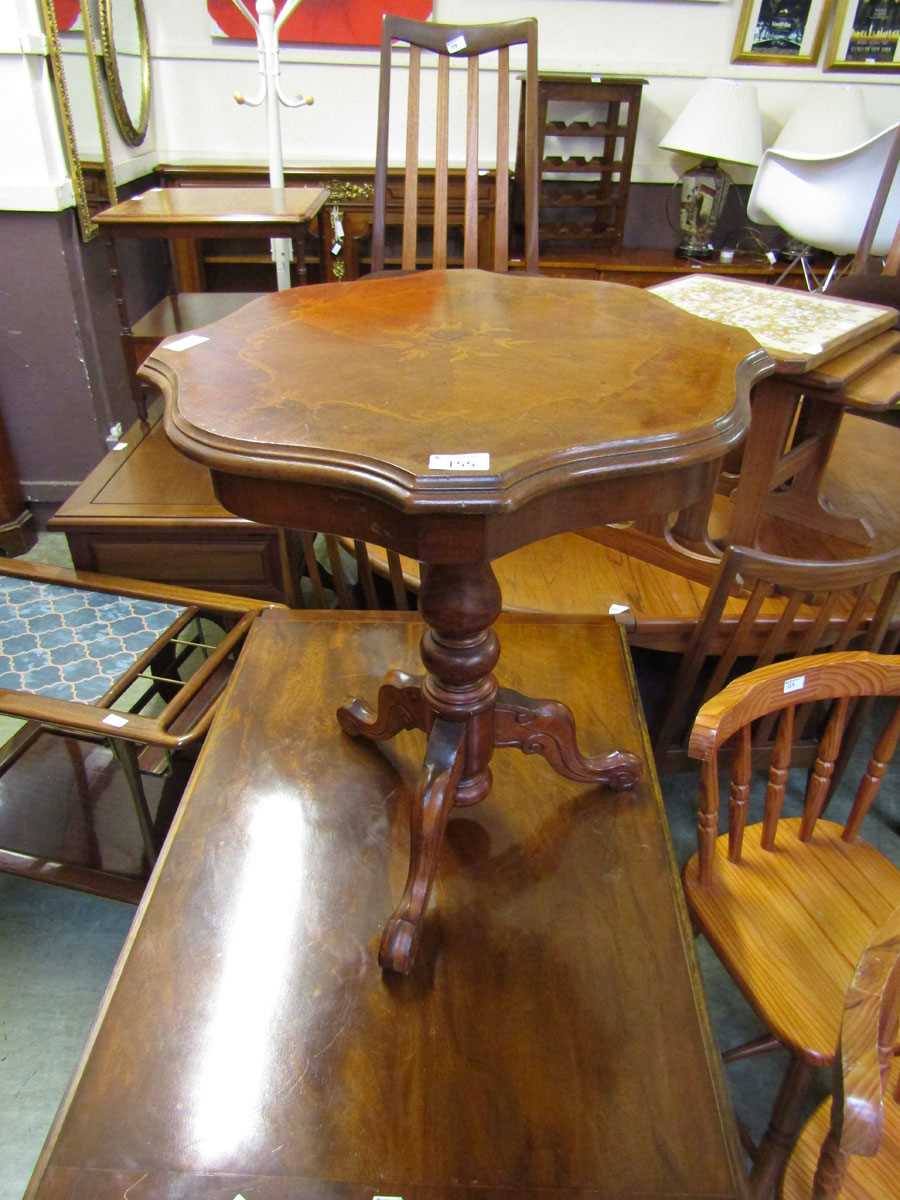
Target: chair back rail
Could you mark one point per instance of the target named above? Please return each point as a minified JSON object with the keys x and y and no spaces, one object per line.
{"x":866,"y":1045}
{"x":826,"y":605}
{"x":469,"y":42}
{"x":839,"y":678}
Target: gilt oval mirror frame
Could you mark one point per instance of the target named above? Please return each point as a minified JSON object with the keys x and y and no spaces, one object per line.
{"x":75,"y":112}
{"x":113,"y":14}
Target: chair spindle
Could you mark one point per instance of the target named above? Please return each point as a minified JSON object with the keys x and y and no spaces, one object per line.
{"x":708,"y":817}
{"x":470,"y":238}
{"x":442,"y":139}
{"x":741,"y":774}
{"x":820,"y":776}
{"x":411,"y":179}
{"x":778,"y":774}
{"x":870,"y":783}
{"x":501,"y":191}
{"x":307,"y":541}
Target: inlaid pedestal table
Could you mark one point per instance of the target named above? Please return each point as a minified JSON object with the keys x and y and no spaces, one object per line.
{"x":453,"y":417}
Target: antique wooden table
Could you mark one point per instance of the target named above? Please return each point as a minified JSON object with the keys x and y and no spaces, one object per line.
{"x":454,"y":416}
{"x":554,"y":1044}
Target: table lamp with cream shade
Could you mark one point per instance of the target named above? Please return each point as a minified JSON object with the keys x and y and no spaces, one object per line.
{"x":721,"y":121}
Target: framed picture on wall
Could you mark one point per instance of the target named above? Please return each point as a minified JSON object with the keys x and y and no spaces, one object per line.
{"x":865,"y":36}
{"x":781,"y":31}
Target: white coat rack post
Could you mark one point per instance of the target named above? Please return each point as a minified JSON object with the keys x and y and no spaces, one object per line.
{"x":267,"y":29}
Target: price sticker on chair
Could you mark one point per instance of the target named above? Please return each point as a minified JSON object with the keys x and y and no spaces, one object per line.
{"x":795,"y":683}
{"x":116,"y":722}
{"x":459,"y":462}
{"x":456,"y":44}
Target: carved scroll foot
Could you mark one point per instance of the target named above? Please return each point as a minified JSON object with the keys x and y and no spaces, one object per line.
{"x":400,"y":706}
{"x":547,"y":727}
{"x":431,"y":806}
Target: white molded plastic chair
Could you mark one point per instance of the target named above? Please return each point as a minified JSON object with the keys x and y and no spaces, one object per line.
{"x":825,"y":200}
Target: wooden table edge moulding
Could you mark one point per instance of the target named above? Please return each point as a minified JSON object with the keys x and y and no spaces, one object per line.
{"x":323,"y":407}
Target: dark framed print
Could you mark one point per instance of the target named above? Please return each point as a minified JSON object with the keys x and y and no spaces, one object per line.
{"x":865,"y":36}
{"x":780,"y":31}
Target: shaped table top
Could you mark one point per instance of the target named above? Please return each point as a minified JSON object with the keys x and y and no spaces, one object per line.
{"x":546,"y":382}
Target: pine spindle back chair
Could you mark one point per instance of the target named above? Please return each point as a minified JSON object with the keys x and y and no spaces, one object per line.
{"x":788,"y":903}
{"x":859,"y":1155}
{"x":469,"y":42}
{"x":827,"y":605}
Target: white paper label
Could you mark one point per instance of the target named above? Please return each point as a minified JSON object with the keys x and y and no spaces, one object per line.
{"x":459,"y":462}
{"x":794,"y":684}
{"x":387,"y":1198}
{"x":617,"y":608}
{"x":772,"y":257}
{"x":116,"y":722}
{"x":120,"y":446}
{"x":187,"y":342}
{"x":453,"y":47}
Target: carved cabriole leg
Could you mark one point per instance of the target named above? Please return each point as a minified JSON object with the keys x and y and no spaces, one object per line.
{"x":547,"y":727}
{"x":459,"y":604}
{"x":784,"y":1125}
{"x":401,"y":705}
{"x":432,"y":803}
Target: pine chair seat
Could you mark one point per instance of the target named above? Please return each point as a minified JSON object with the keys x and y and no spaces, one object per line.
{"x":867,"y":1178}
{"x":790,"y":925}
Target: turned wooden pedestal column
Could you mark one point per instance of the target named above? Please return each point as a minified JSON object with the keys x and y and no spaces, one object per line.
{"x":453,"y":417}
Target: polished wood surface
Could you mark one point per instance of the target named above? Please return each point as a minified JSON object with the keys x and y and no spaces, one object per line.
{"x":467,"y":42}
{"x":857,"y":1154}
{"x":646,"y":266}
{"x":270,"y":396}
{"x":279,"y":210}
{"x":790,"y":904}
{"x":148,"y":512}
{"x":321,"y":408}
{"x":531,"y":1057}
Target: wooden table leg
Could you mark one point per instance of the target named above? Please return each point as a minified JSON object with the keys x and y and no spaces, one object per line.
{"x":458,"y":704}
{"x":803,"y":502}
{"x":773,"y":404}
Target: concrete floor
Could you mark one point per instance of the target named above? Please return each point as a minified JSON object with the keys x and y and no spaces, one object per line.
{"x":58,"y":948}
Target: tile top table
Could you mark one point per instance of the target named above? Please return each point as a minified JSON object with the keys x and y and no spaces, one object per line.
{"x":554,"y":1046}
{"x":453,"y":416}
{"x":830,"y":354}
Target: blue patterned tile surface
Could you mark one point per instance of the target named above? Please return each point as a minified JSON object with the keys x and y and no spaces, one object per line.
{"x":71,"y":644}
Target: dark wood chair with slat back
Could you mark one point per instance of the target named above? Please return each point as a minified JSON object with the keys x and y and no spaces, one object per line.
{"x":857,"y":1153}
{"x":486,"y":247}
{"x":789,"y":903}
{"x":826,"y":605}
{"x":469,"y":42}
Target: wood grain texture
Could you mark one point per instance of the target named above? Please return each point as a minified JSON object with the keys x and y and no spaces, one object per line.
{"x":252,"y":206}
{"x":532,"y":1058}
{"x":412,"y":360}
{"x":865,"y":1116}
{"x":790,"y":925}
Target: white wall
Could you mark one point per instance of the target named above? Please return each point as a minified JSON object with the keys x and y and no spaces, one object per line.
{"x":33,"y":175}
{"x":672,"y":43}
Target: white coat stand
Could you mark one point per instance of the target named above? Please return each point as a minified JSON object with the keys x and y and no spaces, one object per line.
{"x":267,"y":29}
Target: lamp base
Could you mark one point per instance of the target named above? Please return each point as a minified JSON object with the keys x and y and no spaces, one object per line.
{"x":688,"y":249}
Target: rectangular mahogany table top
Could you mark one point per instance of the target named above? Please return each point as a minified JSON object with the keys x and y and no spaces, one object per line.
{"x":552,"y":1039}
{"x":172,"y":208}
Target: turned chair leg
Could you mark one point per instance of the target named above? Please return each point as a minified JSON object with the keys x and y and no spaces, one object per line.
{"x":784,"y":1125}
